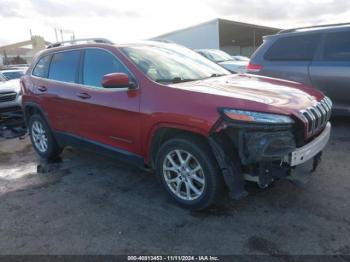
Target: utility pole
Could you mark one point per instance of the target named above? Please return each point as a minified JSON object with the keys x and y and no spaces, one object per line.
{"x":56,"y":34}
{"x":254,"y":40}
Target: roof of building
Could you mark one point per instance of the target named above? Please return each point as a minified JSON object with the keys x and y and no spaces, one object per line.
{"x":217,"y":20}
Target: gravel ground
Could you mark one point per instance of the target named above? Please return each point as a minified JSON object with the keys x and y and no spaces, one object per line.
{"x":90,"y":204}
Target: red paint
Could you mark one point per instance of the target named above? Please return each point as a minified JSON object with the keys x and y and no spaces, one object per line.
{"x":129,"y":118}
{"x":115,"y":80}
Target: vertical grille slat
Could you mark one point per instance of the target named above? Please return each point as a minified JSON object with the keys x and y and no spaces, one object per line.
{"x":317,"y":116}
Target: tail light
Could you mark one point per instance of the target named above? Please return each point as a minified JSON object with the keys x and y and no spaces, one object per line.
{"x":254,"y":67}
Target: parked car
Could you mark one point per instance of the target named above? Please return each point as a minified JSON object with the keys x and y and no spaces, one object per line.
{"x":11,"y":74}
{"x":168,"y":109}
{"x":10,"y":97}
{"x":240,"y":58}
{"x":317,"y":56}
{"x":225,"y":60}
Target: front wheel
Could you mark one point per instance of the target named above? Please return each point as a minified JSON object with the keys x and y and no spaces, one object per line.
{"x":189,"y":172}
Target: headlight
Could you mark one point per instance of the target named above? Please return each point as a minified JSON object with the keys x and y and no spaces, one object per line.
{"x":257,"y":117}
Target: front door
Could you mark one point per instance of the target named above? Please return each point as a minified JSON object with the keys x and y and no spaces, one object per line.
{"x":108,"y":116}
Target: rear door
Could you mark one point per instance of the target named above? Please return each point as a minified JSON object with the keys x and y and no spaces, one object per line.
{"x":289,"y":57}
{"x":330,"y":72}
{"x":54,"y":81}
{"x":109,"y":116}
{"x":61,"y":89}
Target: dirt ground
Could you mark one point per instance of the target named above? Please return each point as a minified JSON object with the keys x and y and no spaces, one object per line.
{"x":90,"y":204}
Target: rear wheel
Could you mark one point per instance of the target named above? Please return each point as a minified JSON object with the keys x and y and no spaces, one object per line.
{"x":189,"y":172}
{"x":42,"y":138}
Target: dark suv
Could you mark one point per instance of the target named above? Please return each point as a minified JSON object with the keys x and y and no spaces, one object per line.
{"x":168,"y":109}
{"x":318,"y":56}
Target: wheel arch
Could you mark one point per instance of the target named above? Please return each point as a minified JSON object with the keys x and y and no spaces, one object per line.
{"x":162,"y":133}
{"x":30,"y":108}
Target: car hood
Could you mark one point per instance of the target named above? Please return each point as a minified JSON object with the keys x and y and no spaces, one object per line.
{"x":244,"y":91}
{"x":10,"y":86}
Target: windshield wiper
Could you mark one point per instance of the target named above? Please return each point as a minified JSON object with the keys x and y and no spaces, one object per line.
{"x":175,"y":80}
{"x":217,"y":75}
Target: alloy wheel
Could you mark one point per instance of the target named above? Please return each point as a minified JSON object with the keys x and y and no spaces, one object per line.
{"x":39,"y":136}
{"x":183,"y":175}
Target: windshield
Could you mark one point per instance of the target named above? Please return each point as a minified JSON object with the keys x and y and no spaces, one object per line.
{"x":170,"y":63}
{"x":2,"y":78}
{"x":217,"y":55}
{"x":13,"y":75}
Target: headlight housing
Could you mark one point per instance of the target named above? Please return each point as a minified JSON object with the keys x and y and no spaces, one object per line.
{"x":256,"y":117}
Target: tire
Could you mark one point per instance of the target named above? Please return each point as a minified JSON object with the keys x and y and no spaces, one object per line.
{"x":39,"y":130}
{"x":207,"y":180}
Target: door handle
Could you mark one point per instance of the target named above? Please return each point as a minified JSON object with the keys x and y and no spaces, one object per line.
{"x":42,"y":88}
{"x":83,"y":95}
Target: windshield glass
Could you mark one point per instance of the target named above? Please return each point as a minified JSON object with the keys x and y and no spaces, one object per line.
{"x":170,"y":63}
{"x":2,"y":78}
{"x":217,"y":55}
{"x":13,"y":74}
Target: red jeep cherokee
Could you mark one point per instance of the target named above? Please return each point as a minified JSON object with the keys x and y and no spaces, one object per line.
{"x":167,"y":108}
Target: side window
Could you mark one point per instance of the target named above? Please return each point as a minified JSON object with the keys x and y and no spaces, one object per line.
{"x":42,"y":67}
{"x":64,"y":66}
{"x":294,"y":48}
{"x":98,"y":63}
{"x":337,"y":47}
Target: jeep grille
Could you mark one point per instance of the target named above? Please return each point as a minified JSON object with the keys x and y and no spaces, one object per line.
{"x":317,"y":116}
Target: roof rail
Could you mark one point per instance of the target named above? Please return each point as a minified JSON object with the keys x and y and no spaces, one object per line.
{"x":309,"y":27}
{"x":76,"y":41}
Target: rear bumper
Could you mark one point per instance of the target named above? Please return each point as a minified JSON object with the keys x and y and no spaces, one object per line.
{"x":307,"y":152}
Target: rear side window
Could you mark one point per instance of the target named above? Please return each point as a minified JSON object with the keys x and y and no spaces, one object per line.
{"x":337,"y":47}
{"x":64,"y":66}
{"x":98,"y":63}
{"x":42,"y":67}
{"x":294,"y":48}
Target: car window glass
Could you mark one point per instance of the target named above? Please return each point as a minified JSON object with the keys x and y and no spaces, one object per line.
{"x":218,"y":55}
{"x":2,"y":78}
{"x":294,"y":48}
{"x":13,"y":75}
{"x":64,"y":66}
{"x":170,"y":63}
{"x":41,"y":68}
{"x":337,"y":47}
{"x":98,"y":63}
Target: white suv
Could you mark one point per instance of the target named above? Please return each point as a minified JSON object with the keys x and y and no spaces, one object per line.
{"x":10,"y":96}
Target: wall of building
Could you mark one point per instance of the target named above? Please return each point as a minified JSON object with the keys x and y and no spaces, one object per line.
{"x":205,"y":35}
{"x":238,"y":50}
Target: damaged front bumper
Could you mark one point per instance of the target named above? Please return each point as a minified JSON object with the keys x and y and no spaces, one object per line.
{"x":263,"y":154}
{"x":305,"y":153}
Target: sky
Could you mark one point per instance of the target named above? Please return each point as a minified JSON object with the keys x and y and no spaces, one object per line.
{"x":132,"y":20}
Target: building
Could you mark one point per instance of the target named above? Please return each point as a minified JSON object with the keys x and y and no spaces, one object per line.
{"x":20,"y":51}
{"x":235,"y":38}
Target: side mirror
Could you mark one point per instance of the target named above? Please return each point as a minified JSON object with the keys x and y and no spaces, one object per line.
{"x":117,"y":80}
